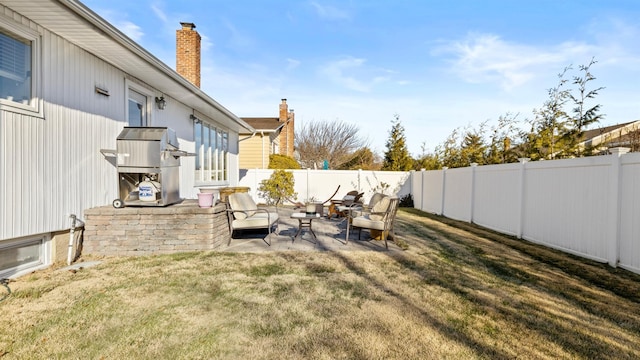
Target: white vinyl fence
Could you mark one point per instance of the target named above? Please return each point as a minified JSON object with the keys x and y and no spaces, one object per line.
{"x":321,"y":184}
{"x":588,"y":206}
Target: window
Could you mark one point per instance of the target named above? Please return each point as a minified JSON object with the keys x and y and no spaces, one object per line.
{"x":212,"y":146}
{"x":18,"y":64}
{"x":138,"y":109}
{"x":22,"y":255}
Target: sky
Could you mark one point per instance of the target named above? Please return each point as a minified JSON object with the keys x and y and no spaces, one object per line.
{"x":437,"y":65}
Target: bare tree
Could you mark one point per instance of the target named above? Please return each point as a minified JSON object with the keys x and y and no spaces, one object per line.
{"x":331,"y":141}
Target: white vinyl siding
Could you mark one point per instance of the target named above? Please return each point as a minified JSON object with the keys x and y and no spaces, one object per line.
{"x":51,"y":164}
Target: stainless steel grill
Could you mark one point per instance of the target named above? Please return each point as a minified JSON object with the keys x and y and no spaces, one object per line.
{"x":148,"y":161}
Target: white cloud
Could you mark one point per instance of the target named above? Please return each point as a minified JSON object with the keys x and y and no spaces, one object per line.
{"x":487,"y":58}
{"x":159,"y":13}
{"x":329,"y":12}
{"x":237,"y":38}
{"x":130,"y":29}
{"x":345,"y":71}
{"x":292,"y":63}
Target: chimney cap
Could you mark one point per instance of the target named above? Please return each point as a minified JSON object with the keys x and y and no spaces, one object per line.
{"x":188,"y":25}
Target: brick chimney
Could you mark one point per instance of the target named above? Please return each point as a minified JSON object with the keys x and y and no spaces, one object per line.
{"x":188,"y":53}
{"x":286,"y":136}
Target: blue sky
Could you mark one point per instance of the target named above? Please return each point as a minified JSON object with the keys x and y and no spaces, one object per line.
{"x":439,"y":65}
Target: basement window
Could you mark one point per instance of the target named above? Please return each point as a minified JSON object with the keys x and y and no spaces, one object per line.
{"x":23,"y":255}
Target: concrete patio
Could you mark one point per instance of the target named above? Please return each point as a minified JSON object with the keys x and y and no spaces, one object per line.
{"x":330,"y":237}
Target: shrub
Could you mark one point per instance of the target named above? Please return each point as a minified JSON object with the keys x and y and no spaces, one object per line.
{"x":406,"y":201}
{"x":277,"y":161}
{"x":277,"y":187}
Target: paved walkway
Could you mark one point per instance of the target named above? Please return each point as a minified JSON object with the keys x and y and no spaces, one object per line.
{"x":330,"y":234}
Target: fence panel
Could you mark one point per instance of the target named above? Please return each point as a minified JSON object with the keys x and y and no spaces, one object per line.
{"x":629,"y":238}
{"x":321,"y":184}
{"x":432,"y":191}
{"x":496,"y":202}
{"x":457,"y":193}
{"x":416,"y":188}
{"x":566,"y":204}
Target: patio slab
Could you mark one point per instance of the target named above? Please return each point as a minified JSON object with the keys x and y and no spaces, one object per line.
{"x":330,"y":237}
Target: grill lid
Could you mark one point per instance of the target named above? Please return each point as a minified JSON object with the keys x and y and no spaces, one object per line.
{"x":149,"y":134}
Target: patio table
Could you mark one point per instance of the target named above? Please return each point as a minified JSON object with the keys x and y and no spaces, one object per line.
{"x":304,"y":221}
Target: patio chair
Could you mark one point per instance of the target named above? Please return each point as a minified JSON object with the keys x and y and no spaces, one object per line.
{"x":244,"y":214}
{"x":358,"y":209}
{"x":381,"y":219}
{"x":338,"y":206}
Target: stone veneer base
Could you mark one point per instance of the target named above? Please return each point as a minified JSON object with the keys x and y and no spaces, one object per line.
{"x":153,"y":230}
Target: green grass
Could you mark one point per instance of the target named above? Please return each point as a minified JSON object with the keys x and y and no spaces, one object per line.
{"x":458,"y":291}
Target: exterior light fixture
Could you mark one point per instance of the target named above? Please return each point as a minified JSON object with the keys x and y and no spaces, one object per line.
{"x":161,"y":102}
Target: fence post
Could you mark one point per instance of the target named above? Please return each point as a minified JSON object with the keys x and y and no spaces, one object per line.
{"x":307,"y":190}
{"x":614,"y":205}
{"x":520,"y":225}
{"x":474,"y":166}
{"x":422,"y":172}
{"x":444,"y":185}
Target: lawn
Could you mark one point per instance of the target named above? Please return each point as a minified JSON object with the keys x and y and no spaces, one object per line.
{"x":458,"y":291}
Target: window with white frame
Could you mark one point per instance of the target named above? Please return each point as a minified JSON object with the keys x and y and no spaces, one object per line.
{"x":18,"y":66}
{"x":212,"y":146}
{"x":17,"y":256}
{"x":138,"y":104}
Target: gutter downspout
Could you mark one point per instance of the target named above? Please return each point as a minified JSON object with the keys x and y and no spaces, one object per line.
{"x":73,"y":226}
{"x":262,"y":147}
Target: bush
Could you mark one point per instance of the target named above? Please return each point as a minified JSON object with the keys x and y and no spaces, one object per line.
{"x":406,"y":201}
{"x":277,"y":161}
{"x":277,"y":187}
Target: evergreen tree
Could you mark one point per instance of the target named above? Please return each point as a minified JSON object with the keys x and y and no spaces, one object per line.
{"x":473,"y":147}
{"x":427,"y":160}
{"x":583,"y":116}
{"x":547,"y":139}
{"x":397,"y":158}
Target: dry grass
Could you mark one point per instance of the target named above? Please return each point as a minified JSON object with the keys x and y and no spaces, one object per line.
{"x":457,"y":292}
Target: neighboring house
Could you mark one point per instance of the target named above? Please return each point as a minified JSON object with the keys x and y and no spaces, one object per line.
{"x":622,"y":135}
{"x":69,"y":83}
{"x":270,"y":136}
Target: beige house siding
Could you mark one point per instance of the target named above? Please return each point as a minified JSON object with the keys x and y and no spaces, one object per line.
{"x":254,"y":152}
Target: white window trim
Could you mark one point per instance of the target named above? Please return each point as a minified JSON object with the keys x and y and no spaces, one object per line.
{"x":149,"y":94}
{"x":34,"y":108}
{"x":45,"y":261}
{"x":213,"y":154}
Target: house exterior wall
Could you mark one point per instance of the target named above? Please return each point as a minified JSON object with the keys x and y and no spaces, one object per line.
{"x":50,"y":162}
{"x":254,"y":152}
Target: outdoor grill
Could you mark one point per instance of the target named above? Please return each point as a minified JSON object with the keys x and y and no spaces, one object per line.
{"x":148,"y":161}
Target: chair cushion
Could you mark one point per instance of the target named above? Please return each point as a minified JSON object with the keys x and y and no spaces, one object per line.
{"x":374,"y":199}
{"x":380,"y":207}
{"x":367,"y":222}
{"x":244,"y":202}
{"x":257,"y":221}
